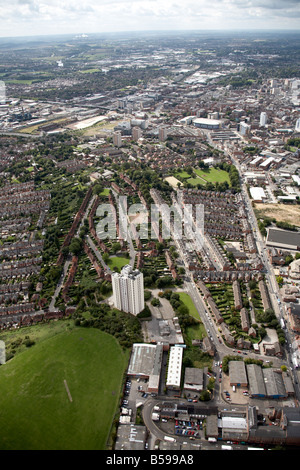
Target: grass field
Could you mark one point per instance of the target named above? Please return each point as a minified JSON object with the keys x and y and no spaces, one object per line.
{"x":186,"y":299}
{"x":211,"y":175}
{"x":196,"y":331}
{"x":118,"y":261}
{"x":183,"y":174}
{"x":36,"y":410}
{"x":196,"y":181}
{"x":105,"y":192}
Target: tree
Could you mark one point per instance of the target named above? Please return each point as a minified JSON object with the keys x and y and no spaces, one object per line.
{"x":155,"y":302}
{"x":147,"y":295}
{"x":97,"y":189}
{"x":116,"y":247}
{"x":54,"y":273}
{"x":269,"y":315}
{"x":205,"y":395}
{"x":75,"y":246}
{"x":288,"y":259}
{"x":105,"y":257}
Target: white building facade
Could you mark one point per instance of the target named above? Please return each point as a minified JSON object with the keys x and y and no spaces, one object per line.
{"x":263,"y":119}
{"x":128,"y":290}
{"x":174,"y":368}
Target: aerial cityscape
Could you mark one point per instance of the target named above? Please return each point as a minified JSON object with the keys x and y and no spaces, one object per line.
{"x":150,"y":229}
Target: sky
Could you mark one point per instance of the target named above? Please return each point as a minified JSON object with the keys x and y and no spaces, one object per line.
{"x":43,"y":17}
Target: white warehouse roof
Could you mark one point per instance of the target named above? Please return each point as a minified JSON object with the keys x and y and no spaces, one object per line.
{"x":234,"y":423}
{"x":257,"y":193}
{"x":174,"y":369}
{"x":296,"y":179}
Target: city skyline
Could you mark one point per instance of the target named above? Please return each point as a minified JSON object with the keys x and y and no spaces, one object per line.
{"x":38,"y":17}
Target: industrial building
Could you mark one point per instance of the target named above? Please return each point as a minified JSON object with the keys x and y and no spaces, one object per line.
{"x":267,"y":383}
{"x":284,"y":239}
{"x":257,"y":386}
{"x":131,"y":437}
{"x":233,"y":425}
{"x":237,"y":374}
{"x":193,"y":379}
{"x":174,"y":368}
{"x":258,"y":194}
{"x":145,"y":362}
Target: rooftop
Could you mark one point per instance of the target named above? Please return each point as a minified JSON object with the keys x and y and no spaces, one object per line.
{"x":284,"y":238}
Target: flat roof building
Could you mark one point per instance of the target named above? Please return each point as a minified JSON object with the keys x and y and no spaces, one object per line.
{"x":131,"y":437}
{"x":284,"y":239}
{"x":237,"y":374}
{"x":174,"y":368}
{"x":258,"y":194}
{"x":146,"y":361}
{"x":193,"y":379}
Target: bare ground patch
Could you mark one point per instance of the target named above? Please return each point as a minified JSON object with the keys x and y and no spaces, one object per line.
{"x":281,"y":212}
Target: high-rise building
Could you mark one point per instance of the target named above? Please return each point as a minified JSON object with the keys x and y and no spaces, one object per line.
{"x":263,"y":119}
{"x":297,"y":126}
{"x":2,"y":92}
{"x":136,"y":133}
{"x":117,"y":139}
{"x":163,"y":134}
{"x":128,"y":290}
{"x":244,"y":128}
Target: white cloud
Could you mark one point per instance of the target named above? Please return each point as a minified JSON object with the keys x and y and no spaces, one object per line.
{"x":29,"y":17}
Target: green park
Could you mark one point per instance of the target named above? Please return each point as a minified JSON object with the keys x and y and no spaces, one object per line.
{"x":60,"y":391}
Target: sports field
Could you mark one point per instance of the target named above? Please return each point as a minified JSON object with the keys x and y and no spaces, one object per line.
{"x":211,"y":175}
{"x":62,"y":392}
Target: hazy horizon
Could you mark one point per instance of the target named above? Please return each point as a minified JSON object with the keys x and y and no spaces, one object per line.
{"x":83,"y":34}
{"x":30,"y":18}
